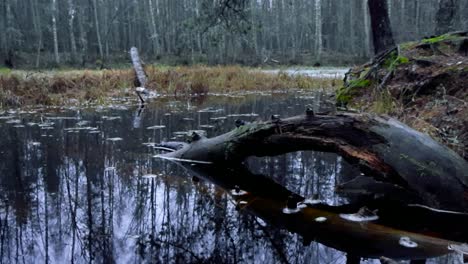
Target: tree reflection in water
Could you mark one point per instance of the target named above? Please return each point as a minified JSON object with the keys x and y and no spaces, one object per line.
{"x":72,"y":191}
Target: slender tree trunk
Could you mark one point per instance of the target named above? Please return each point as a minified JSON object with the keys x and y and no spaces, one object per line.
{"x":54,"y":31}
{"x":154,"y":33}
{"x":96,"y":27}
{"x":37,"y":29}
{"x":318,"y":29}
{"x":3,"y":31}
{"x":381,"y":29}
{"x":366,"y":28}
{"x":417,"y":7}
{"x":445,"y":16}
{"x":9,"y":26}
{"x":83,"y":40}
{"x":71,"y":18}
{"x":253,"y":31}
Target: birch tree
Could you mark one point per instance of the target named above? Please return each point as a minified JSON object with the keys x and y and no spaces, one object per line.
{"x":96,"y":28}
{"x":71,"y":18}
{"x":54,"y":31}
{"x":318,"y":29}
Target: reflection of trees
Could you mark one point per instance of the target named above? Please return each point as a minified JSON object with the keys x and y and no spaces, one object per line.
{"x":79,"y":198}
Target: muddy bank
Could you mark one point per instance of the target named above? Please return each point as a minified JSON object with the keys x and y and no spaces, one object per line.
{"x":423,"y":83}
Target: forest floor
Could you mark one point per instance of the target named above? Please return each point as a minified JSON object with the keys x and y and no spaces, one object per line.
{"x":72,"y":87}
{"x":423,"y":84}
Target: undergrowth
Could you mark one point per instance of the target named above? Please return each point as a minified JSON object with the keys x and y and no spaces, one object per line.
{"x":18,"y":88}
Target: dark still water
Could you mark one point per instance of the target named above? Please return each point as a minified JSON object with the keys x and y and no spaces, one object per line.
{"x":83,"y":186}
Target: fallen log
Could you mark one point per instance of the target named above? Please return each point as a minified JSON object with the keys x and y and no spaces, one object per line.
{"x":380,"y":147}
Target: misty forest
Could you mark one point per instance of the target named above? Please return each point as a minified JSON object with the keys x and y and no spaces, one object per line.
{"x":234,"y":131}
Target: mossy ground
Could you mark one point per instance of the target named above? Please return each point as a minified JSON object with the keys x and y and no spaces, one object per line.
{"x":425,"y":87}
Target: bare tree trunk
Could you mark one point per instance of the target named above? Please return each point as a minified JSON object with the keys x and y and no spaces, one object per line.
{"x":154,"y":33}
{"x":96,"y":27}
{"x":54,"y":31}
{"x":318,"y":28}
{"x":82,"y":34}
{"x":381,"y":29}
{"x":71,"y":18}
{"x":3,"y":31}
{"x":37,"y":29}
{"x":445,"y":16}
{"x":366,"y":28}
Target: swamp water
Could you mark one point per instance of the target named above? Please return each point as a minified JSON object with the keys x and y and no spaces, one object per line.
{"x":83,"y":185}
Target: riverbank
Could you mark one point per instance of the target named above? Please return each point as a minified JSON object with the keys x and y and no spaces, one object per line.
{"x":24,"y":88}
{"x":423,"y":84}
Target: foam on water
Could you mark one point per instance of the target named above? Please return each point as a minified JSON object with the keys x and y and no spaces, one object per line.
{"x":407,"y":242}
{"x":115,"y":139}
{"x":359,"y":217}
{"x":320,"y":219}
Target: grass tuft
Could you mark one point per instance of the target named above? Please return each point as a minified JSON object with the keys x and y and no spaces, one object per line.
{"x":59,"y":87}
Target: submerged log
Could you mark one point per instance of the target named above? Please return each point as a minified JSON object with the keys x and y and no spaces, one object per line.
{"x":380,"y":147}
{"x":386,"y":234}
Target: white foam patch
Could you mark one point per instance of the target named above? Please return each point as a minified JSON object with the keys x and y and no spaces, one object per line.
{"x":46,"y":124}
{"x":359,"y":218}
{"x":149,"y":176}
{"x":243,"y":115}
{"x":291,"y":211}
{"x":243,"y":202}
{"x":320,"y":219}
{"x":238,"y":193}
{"x":115,"y":139}
{"x":110,"y":118}
{"x":13,"y":121}
{"x":406,"y":242}
{"x":311,"y":201}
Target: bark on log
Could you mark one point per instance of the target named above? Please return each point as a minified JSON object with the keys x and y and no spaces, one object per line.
{"x":381,"y":147}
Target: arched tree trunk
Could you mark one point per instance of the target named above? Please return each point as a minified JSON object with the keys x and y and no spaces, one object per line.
{"x":382,"y":148}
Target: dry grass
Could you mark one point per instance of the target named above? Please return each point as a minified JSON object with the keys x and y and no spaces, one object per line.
{"x":20,"y":88}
